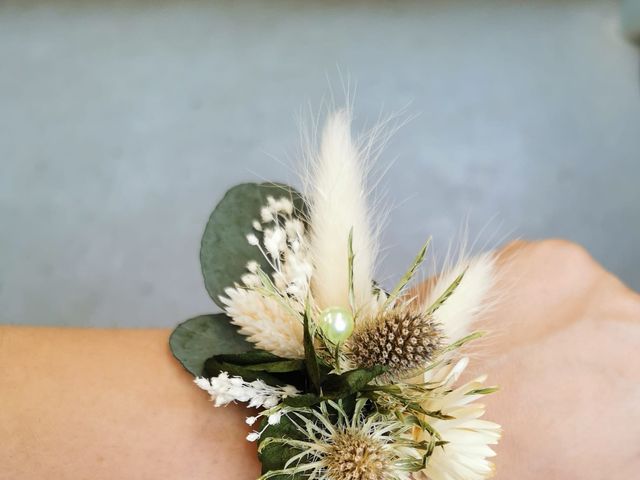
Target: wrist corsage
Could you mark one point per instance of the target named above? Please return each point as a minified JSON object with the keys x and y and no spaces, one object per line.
{"x":348,"y":380}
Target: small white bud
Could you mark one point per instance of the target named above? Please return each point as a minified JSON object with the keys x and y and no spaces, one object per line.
{"x":251,"y":420}
{"x":285,"y":205}
{"x":253,"y":436}
{"x":270,"y":402}
{"x":289,"y":390}
{"x":275,"y":418}
{"x":252,"y":239}
{"x":274,"y":241}
{"x":250,"y":280}
{"x":202,"y":382}
{"x":256,"y":401}
{"x":256,"y":225}
{"x":266,"y":215}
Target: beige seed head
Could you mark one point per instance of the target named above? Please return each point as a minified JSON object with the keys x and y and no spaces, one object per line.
{"x":355,"y":456}
{"x":403,"y":341}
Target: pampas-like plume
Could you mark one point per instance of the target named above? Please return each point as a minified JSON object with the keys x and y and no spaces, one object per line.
{"x":338,"y":204}
{"x":457,"y":313}
{"x":265,"y":322}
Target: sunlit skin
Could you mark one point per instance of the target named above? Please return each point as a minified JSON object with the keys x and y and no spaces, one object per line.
{"x":105,"y":404}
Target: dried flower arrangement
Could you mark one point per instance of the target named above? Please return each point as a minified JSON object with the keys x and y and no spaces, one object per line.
{"x":353,"y":382}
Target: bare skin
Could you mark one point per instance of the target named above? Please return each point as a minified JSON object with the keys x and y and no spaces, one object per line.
{"x":105,"y":404}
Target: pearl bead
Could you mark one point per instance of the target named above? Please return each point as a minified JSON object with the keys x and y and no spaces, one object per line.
{"x":336,"y":324}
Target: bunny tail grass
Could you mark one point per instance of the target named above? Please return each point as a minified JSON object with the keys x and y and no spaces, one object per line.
{"x":337,"y":196}
{"x":469,"y":298}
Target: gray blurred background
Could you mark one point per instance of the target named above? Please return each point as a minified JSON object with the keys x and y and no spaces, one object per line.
{"x":122,"y":124}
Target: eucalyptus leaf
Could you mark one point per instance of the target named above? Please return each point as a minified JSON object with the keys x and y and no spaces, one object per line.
{"x":224,"y":251}
{"x":199,"y":338}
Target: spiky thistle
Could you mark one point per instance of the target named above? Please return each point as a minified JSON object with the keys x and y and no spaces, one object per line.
{"x":400,"y":339}
{"x":356,"y":456}
{"x":337,"y":445}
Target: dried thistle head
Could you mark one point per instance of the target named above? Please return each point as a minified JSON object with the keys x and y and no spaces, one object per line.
{"x":400,"y":339}
{"x":336,"y":444}
{"x":355,"y":456}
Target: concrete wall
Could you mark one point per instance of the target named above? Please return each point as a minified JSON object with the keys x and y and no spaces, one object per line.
{"x":121,"y":125}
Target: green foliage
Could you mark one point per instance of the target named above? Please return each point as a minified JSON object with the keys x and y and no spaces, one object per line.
{"x":350,"y":259}
{"x":278,"y":442}
{"x":257,"y":365}
{"x":340,"y":386}
{"x":261,"y":361}
{"x":251,"y":357}
{"x":303,"y":401}
{"x":406,"y":278}
{"x":224,"y":251}
{"x":310,"y":357}
{"x":337,"y":387}
{"x":199,"y":338}
{"x":274,"y":455}
{"x":213,"y":367}
{"x":446,"y":294}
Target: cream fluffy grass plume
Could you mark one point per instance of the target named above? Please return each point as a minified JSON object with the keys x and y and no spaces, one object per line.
{"x":355,"y":381}
{"x":338,"y":204}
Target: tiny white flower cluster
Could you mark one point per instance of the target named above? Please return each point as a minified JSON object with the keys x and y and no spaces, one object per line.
{"x":286,"y":249}
{"x":224,"y":389}
{"x":272,"y":319}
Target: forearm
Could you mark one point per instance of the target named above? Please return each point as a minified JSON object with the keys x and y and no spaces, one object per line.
{"x":103,"y":404}
{"x":81,"y":403}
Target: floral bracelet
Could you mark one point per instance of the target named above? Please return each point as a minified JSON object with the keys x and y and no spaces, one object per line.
{"x":350,"y":381}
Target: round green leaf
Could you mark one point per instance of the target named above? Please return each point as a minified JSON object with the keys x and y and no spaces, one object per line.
{"x":224,"y":251}
{"x":199,"y":338}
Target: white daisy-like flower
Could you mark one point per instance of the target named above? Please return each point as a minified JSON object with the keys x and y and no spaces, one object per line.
{"x":467,"y":451}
